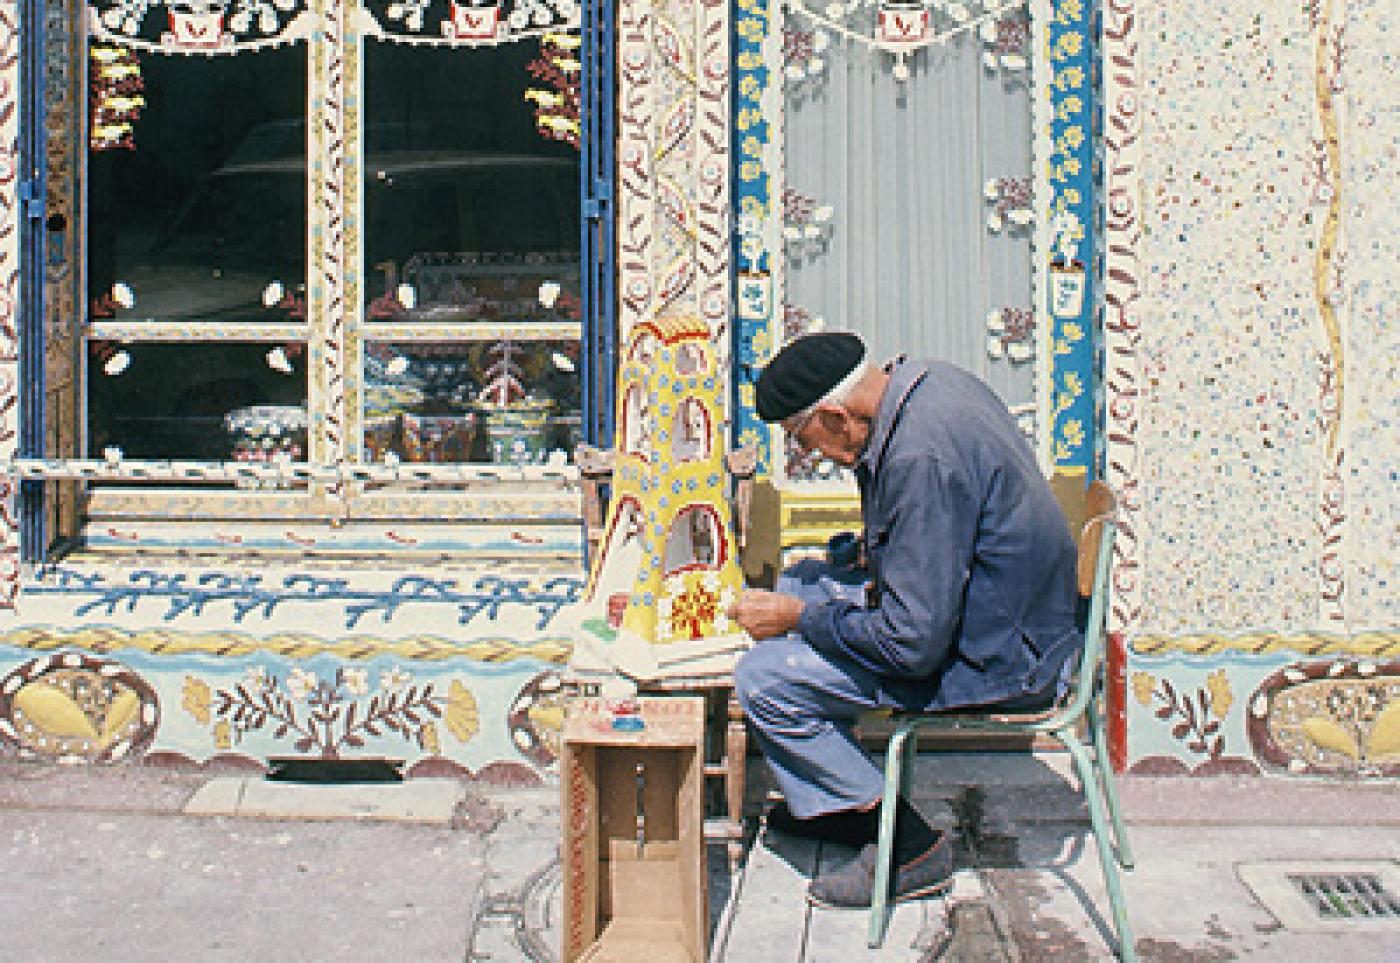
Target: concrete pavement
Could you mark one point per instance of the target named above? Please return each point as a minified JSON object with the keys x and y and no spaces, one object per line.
{"x":108,"y":863}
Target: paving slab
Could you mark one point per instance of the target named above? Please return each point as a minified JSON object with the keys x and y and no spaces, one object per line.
{"x":83,"y":886}
{"x":432,"y":801}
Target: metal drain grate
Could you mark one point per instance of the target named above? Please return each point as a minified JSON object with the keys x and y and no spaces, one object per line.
{"x":1327,"y":895}
{"x":1343,"y":896}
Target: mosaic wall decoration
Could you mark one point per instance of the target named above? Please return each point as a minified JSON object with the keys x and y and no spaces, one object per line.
{"x":1188,"y":717}
{"x":450,"y":23}
{"x":74,"y":707}
{"x":759,"y":41}
{"x":192,"y":28}
{"x":1339,"y":717}
{"x":673,"y":221}
{"x":10,"y":219}
{"x":453,"y":673}
{"x":1065,"y":235}
{"x":1250,"y":409}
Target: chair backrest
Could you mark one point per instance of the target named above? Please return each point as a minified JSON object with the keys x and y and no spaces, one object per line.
{"x":1095,"y":555}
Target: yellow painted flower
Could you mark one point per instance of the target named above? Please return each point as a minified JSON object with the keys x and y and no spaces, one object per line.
{"x":1143,"y":684}
{"x":223,"y":739}
{"x":1074,"y":432}
{"x":1218,"y":688}
{"x":428,"y":736}
{"x":462,"y":717}
{"x":195,"y":699}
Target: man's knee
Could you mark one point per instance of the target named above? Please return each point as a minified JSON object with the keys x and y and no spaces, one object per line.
{"x":766,"y":667}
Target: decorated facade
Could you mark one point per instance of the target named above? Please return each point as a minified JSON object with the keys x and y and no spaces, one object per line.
{"x":290,"y":402}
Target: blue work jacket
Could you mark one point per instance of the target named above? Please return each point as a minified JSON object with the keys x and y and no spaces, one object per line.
{"x":971,"y":559}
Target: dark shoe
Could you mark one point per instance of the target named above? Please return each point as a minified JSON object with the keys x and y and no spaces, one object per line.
{"x":851,"y":827}
{"x":849,"y":887}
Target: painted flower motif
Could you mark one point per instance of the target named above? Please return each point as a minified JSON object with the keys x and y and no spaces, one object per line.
{"x":356,"y":681}
{"x":256,"y":676}
{"x":1143,"y":684}
{"x":1221,"y":697}
{"x":395,"y":678}
{"x":223,"y":736}
{"x":194,"y":699}
{"x":123,"y":295}
{"x":272,"y":294}
{"x":301,"y":683}
{"x":462,"y":718}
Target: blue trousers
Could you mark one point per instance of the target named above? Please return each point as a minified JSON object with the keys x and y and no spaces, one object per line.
{"x":802,"y":705}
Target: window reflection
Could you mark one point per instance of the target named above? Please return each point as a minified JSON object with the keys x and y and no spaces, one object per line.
{"x":226,"y":401}
{"x":470,"y":214}
{"x":206,"y":211}
{"x":505,"y":402}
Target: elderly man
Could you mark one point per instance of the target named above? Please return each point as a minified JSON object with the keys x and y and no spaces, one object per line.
{"x":970,"y":598}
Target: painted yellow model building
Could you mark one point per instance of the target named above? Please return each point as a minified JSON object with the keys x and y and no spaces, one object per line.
{"x":666,"y":570}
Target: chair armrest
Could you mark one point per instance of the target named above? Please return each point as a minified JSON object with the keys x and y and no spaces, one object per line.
{"x":742,"y":464}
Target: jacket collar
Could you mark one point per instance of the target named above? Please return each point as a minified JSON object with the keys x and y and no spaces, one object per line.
{"x":905,"y":376}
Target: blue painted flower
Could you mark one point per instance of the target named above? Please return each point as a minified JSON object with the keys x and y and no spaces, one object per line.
{"x":676,"y":487}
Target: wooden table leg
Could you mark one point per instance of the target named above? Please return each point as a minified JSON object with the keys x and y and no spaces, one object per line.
{"x":735,"y":753}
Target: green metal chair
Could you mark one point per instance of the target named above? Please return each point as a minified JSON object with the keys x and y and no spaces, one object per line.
{"x":1075,"y":713}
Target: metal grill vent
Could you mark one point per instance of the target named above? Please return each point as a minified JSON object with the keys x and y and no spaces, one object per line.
{"x":1347,"y":896}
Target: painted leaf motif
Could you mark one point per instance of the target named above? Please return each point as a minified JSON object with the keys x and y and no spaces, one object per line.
{"x":674,"y":203}
{"x":1326,"y":734}
{"x":122,"y":710}
{"x":677,"y":124}
{"x":52,"y":712}
{"x":1385,"y":734}
{"x":673,"y":47}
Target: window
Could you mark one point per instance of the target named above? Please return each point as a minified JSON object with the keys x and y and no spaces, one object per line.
{"x":317,"y":276}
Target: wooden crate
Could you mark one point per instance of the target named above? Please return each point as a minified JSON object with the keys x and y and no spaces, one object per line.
{"x":634,"y":851}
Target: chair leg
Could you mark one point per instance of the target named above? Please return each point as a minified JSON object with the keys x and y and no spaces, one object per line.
{"x":1110,"y":789}
{"x":910,"y":753}
{"x":1093,"y":795}
{"x":880,"y":893}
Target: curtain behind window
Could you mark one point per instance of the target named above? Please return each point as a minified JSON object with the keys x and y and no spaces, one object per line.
{"x":906,"y":258}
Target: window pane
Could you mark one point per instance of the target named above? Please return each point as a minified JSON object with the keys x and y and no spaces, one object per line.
{"x":203,"y":218}
{"x":230,"y":401}
{"x":507,"y":402}
{"x":468,"y":209}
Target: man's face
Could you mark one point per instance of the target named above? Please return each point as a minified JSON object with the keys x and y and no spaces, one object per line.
{"x":832,"y":430}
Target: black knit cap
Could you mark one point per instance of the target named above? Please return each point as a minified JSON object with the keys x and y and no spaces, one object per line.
{"x":803,"y":372}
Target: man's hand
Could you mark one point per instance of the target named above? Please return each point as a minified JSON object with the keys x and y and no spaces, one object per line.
{"x":766,"y":614}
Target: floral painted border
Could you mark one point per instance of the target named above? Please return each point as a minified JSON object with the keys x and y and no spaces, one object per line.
{"x":1066,"y":294}
{"x":758,"y":181}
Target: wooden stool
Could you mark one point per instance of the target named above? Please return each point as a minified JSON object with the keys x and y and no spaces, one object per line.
{"x":726,"y":749}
